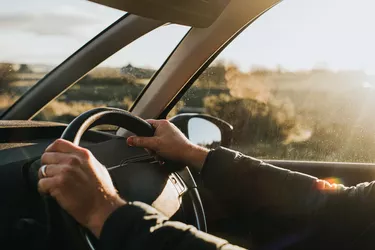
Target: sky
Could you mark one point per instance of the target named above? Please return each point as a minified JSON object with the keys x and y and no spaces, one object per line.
{"x":296,"y":34}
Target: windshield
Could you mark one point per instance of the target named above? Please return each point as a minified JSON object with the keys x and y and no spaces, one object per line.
{"x":36,"y":36}
{"x":117,"y":81}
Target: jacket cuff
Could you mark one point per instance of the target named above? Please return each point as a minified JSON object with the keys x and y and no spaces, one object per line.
{"x":121,"y":223}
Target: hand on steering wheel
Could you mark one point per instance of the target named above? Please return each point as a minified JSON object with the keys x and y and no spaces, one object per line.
{"x":170,"y":143}
{"x":79,"y":183}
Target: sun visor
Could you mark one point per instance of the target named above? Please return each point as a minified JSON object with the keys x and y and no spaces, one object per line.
{"x":196,"y":13}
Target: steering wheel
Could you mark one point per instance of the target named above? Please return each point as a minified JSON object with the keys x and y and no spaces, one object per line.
{"x":142,"y":182}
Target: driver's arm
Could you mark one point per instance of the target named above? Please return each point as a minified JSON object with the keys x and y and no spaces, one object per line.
{"x":244,"y":183}
{"x":139,"y":226}
{"x":313,"y":211}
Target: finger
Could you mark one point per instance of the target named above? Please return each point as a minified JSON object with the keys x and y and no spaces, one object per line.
{"x":59,"y":158}
{"x":63,"y":146}
{"x":56,"y":169}
{"x":155,"y":123}
{"x":144,"y":142}
{"x":152,"y":121}
{"x":45,"y":185}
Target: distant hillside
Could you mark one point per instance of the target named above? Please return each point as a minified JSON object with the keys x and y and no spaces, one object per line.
{"x":139,"y":73}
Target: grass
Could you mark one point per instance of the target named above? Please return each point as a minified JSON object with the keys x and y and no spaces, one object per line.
{"x":60,"y":111}
{"x":6,"y":101}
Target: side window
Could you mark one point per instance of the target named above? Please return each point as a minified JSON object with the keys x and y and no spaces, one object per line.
{"x":118,"y":80}
{"x":294,"y":86}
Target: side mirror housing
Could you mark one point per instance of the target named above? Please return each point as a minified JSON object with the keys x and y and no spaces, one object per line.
{"x":204,"y":130}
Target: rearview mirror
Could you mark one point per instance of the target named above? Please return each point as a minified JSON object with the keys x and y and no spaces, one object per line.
{"x":195,"y":13}
{"x":204,"y":130}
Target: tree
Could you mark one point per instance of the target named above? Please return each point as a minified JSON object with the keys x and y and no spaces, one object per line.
{"x":213,"y":76}
{"x":24,"y":68}
{"x":6,"y":75}
{"x":254,"y":121}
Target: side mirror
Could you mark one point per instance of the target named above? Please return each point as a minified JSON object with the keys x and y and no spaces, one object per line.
{"x":204,"y":130}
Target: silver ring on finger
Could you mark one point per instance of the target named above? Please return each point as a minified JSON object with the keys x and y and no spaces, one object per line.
{"x":43,"y":170}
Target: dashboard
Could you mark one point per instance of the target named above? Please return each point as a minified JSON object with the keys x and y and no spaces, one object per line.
{"x":23,"y":140}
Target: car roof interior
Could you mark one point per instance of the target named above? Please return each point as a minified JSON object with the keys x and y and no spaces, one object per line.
{"x":195,"y":13}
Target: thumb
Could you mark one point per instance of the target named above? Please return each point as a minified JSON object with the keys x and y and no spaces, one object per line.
{"x":155,"y":123}
{"x":144,"y":142}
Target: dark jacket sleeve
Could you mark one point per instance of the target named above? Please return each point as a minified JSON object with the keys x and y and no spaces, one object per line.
{"x":139,"y":226}
{"x":244,"y":182}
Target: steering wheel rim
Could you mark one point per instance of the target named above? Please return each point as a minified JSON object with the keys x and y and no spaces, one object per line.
{"x":138,"y":126}
{"x":100,"y":116}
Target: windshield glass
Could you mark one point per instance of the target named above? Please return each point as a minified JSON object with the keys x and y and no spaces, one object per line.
{"x":119,"y":80}
{"x":36,"y":36}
